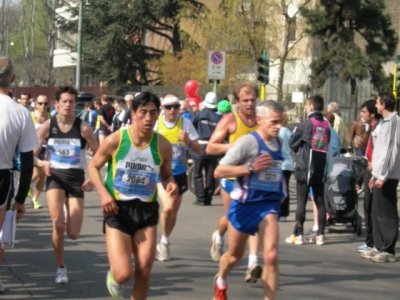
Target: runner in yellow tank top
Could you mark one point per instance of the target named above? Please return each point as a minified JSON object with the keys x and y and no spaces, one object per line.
{"x":39,"y":116}
{"x":231,"y":127}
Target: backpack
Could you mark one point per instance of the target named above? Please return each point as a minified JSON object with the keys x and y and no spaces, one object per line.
{"x":116,"y":123}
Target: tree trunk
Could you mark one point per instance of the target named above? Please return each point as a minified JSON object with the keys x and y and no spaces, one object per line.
{"x":28,"y":12}
{"x":49,"y":30}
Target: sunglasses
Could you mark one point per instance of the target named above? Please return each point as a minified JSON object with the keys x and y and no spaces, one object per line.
{"x":174,"y":106}
{"x":41,"y":103}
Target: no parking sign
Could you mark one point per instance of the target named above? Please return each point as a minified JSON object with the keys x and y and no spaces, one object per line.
{"x":216,"y":65}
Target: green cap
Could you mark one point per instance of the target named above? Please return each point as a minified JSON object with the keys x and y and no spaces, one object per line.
{"x":224,"y":106}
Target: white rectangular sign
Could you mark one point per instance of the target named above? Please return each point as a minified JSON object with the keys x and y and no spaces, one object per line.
{"x":297,"y":97}
{"x":216,"y":65}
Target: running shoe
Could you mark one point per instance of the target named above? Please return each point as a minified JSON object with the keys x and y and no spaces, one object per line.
{"x":370,"y":253}
{"x":295,"y":239}
{"x":61,"y":277}
{"x":253,"y":273}
{"x":163,"y":252}
{"x":363,"y":248}
{"x":382,"y":257}
{"x":36,"y":204}
{"x":115,"y":289}
{"x":320,"y":240}
{"x":219,"y":293}
{"x":216,"y":249}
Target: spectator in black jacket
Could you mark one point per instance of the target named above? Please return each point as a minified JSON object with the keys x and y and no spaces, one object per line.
{"x":205,"y":122}
{"x":311,"y":143}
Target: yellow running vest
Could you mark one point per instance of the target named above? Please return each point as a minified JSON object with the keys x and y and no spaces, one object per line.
{"x":179,"y":160}
{"x":241,"y":130}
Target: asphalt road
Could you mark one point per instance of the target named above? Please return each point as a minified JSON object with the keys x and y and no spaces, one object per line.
{"x":332,"y":271}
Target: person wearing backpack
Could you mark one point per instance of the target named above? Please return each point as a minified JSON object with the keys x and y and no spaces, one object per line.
{"x":116,"y":122}
{"x":310,"y":142}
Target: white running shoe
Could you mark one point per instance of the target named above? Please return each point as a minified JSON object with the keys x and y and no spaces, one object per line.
{"x":61,"y":277}
{"x":216,"y":249}
{"x":163,"y":252}
{"x":115,"y":289}
{"x":295,"y":239}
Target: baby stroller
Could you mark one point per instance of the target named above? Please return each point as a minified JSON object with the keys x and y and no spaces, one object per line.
{"x":341,"y":198}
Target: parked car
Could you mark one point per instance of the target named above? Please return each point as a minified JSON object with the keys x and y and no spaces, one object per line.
{"x":80,"y":105}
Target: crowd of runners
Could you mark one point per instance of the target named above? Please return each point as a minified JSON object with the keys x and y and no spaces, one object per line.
{"x":144,"y":142}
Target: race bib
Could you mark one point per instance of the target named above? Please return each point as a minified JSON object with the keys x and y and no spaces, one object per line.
{"x":65,"y":151}
{"x":178,"y":150}
{"x":135,"y":179}
{"x":136,"y":182}
{"x":268,"y":180}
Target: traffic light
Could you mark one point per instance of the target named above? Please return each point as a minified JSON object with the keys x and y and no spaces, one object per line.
{"x":263,"y":70}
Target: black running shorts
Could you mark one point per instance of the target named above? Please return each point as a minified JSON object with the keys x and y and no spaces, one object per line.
{"x":133,"y":215}
{"x":182,"y":182}
{"x":69,"y":180}
{"x":6,"y":186}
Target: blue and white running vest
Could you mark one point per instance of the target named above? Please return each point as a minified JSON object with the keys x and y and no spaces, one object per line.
{"x":266,"y":185}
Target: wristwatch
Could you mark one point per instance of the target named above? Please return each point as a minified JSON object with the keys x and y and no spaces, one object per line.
{"x":250,"y":168}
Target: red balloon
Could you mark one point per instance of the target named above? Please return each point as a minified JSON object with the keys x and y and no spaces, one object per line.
{"x":191,"y":88}
{"x":194,"y":100}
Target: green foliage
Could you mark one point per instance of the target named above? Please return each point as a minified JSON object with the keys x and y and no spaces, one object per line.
{"x":121,"y":39}
{"x":238,"y":27}
{"x":354,"y":39}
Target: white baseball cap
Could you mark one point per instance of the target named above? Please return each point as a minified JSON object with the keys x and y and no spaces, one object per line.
{"x":211,"y":100}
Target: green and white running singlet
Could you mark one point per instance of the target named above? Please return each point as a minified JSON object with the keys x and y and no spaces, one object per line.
{"x":133,"y":172}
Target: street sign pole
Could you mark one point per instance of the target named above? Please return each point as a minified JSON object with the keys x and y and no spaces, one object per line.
{"x":216,"y":67}
{"x":215,"y":83}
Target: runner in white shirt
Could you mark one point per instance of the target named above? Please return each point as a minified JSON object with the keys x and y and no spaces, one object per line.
{"x":16,"y":130}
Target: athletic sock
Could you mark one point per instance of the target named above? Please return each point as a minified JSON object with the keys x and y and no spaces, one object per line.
{"x":164,"y":240}
{"x":221,"y":283}
{"x":253,"y":260}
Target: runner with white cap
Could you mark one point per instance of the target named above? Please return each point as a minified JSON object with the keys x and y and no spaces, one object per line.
{"x":182,"y":135}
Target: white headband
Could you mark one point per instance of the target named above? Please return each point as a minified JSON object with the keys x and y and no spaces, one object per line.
{"x":170,"y":100}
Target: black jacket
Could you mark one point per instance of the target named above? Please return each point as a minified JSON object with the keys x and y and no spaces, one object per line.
{"x":205,"y":122}
{"x":300,"y":143}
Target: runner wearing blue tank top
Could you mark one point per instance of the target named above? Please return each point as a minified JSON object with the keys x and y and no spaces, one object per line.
{"x":138,"y":158}
{"x":255,"y":160}
{"x":66,"y":137}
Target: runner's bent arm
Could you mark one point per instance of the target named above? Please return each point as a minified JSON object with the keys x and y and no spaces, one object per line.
{"x":103,"y":155}
{"x":216,"y":145}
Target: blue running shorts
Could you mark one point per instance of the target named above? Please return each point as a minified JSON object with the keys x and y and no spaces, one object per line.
{"x":245,"y":217}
